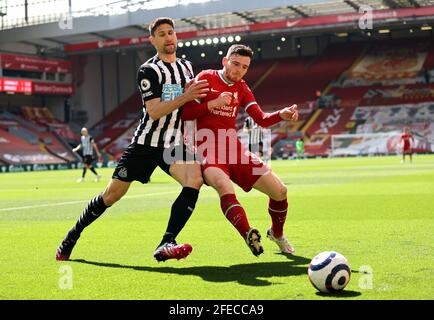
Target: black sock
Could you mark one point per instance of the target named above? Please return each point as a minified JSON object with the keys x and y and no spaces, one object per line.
{"x":181,"y":211}
{"x":93,"y":210}
{"x":93,"y":170}
{"x":84,"y":172}
{"x":167,"y":237}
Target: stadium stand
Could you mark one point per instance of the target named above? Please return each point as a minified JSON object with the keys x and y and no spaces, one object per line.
{"x":22,"y":142}
{"x":368,"y":83}
{"x":304,"y":76}
{"x":331,"y":77}
{"x":43,"y":117}
{"x":120,"y":120}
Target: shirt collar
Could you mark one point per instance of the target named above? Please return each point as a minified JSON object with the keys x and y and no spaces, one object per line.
{"x":220,"y":73}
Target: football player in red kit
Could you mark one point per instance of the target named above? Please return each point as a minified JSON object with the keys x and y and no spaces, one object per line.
{"x":407,"y":141}
{"x":224,"y":158}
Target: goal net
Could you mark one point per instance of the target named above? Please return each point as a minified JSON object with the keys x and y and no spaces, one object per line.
{"x":359,"y":144}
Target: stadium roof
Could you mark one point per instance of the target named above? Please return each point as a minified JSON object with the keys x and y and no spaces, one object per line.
{"x":129,"y":18}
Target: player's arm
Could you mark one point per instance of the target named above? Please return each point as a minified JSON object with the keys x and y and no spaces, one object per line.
{"x":95,"y":146}
{"x":196,"y":108}
{"x":157,"y":108}
{"x":266,"y":119}
{"x":263,"y":119}
{"x":150,"y":89}
{"x":401,"y":141}
{"x":77,"y":148}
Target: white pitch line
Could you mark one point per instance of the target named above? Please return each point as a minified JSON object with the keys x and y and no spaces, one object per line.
{"x":80,"y":201}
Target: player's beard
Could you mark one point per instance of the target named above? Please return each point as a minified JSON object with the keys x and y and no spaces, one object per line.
{"x":233,"y":77}
{"x":169,"y":49}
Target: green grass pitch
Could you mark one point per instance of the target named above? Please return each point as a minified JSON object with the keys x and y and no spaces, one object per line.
{"x":377,"y":212}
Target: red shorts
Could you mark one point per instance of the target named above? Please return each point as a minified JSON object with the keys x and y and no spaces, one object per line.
{"x":243,"y":173}
{"x":407,"y":150}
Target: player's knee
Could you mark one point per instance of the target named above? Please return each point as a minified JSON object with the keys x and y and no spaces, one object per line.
{"x":195,"y":181}
{"x":222,"y":185}
{"x":193,"y":178}
{"x":282,"y":192}
{"x":111,"y":197}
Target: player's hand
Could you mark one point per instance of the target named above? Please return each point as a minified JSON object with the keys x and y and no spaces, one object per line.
{"x":289,"y":113}
{"x":224,"y":99}
{"x":188,"y":84}
{"x":196,"y":89}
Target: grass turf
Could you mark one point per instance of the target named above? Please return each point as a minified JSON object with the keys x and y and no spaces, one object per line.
{"x":377,"y":212}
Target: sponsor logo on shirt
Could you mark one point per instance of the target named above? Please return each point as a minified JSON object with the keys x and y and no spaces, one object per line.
{"x":171,"y":91}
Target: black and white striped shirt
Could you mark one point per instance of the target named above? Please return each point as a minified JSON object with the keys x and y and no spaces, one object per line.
{"x":159,"y":79}
{"x":86,"y":144}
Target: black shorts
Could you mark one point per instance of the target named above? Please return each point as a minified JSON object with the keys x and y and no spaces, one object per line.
{"x":138,"y":162}
{"x":88,"y":159}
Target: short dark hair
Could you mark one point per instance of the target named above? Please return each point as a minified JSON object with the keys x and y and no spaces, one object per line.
{"x":159,"y":21}
{"x":241,"y":50}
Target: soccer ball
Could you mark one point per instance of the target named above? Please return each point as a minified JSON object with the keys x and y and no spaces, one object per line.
{"x":329,"y":272}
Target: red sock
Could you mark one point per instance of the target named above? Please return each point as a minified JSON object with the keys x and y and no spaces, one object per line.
{"x":235,"y":213}
{"x":277,"y":211}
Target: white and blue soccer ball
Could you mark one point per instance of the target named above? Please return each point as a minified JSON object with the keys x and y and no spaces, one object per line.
{"x":329,"y":272}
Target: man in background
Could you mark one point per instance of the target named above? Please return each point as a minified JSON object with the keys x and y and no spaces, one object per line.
{"x":87,"y":145}
{"x":407,"y":141}
{"x":299,"y":148}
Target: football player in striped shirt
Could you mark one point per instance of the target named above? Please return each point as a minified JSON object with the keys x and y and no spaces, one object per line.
{"x":87,"y":145}
{"x":165,"y":84}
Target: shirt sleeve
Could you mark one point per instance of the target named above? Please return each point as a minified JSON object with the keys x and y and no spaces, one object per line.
{"x":252,"y":108}
{"x":263,"y":119}
{"x":149,"y":83}
{"x":248,"y":99}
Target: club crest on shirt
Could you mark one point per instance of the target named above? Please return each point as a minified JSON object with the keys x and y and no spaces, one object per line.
{"x":235,"y":98}
{"x":122,"y":172}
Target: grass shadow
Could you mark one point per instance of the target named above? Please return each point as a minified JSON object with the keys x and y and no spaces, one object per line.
{"x":340,"y":294}
{"x":296,"y":259}
{"x":249,"y":274}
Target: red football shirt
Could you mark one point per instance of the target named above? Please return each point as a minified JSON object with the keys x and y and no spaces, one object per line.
{"x":224,"y":117}
{"x":407,"y":140}
{"x":221,"y":122}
